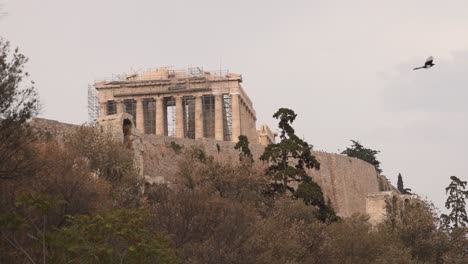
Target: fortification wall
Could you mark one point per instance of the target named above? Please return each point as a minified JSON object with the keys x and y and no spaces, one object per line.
{"x":345,"y":181}
{"x":55,"y":128}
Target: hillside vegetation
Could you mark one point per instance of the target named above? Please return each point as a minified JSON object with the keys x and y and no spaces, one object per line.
{"x":77,"y":198}
{"x":81,"y":202}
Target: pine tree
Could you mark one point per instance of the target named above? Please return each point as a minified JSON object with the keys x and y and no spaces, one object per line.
{"x":401,"y":187}
{"x":290,"y":157}
{"x":456,"y":201}
{"x":359,"y":151}
{"x":243,"y":146}
{"x":400,"y":183}
{"x":18,"y":103}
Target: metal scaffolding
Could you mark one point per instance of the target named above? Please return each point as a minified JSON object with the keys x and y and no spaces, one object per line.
{"x":227,"y":116}
{"x":208,"y":116}
{"x":188,"y":103}
{"x":169,"y":116}
{"x":93,"y":104}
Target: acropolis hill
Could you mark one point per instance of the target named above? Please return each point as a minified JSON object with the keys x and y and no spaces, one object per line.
{"x":153,"y":110}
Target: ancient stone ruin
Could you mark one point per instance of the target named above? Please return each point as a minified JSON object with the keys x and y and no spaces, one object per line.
{"x":153,"y":110}
{"x":188,"y":103}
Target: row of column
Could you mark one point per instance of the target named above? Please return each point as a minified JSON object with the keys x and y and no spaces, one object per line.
{"x":179,"y":123}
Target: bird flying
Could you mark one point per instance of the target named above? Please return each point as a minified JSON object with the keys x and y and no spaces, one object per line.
{"x":429,"y":63}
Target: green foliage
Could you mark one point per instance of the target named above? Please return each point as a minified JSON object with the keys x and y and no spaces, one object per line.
{"x":290,"y":157}
{"x":29,"y":222}
{"x":288,"y":162}
{"x":199,"y":154}
{"x":218,"y":147}
{"x":401,"y":187}
{"x":117,"y":236}
{"x":311,"y":193}
{"x":243,"y":145}
{"x":11,"y":221}
{"x":48,"y":136}
{"x":18,"y":103}
{"x":41,"y":203}
{"x":359,"y":151}
{"x":30,"y":207}
{"x":176,"y":147}
{"x":456,"y":202}
{"x":216,"y":212}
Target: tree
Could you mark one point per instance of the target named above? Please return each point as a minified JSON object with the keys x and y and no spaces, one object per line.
{"x":456,"y":201}
{"x":109,"y":160}
{"x":117,"y":236}
{"x":311,"y":193}
{"x":290,"y":157}
{"x":243,"y":146}
{"x":401,"y":187}
{"x":359,"y":151}
{"x":26,"y":228}
{"x":416,"y":227}
{"x":17,"y":105}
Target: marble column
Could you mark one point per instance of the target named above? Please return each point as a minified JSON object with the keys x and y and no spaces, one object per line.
{"x":179,"y":117}
{"x":140,"y":125}
{"x":236,"y":118}
{"x":198,"y":117}
{"x":160,"y":116}
{"x":219,"y":132}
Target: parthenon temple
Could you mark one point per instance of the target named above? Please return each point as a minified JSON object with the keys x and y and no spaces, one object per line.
{"x":189,"y":103}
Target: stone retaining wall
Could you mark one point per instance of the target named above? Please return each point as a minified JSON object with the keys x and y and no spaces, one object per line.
{"x":346,"y":182}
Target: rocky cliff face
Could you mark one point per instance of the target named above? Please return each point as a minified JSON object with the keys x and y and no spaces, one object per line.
{"x":346,"y":182}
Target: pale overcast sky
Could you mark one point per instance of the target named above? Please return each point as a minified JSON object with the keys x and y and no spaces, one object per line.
{"x":344,"y":66}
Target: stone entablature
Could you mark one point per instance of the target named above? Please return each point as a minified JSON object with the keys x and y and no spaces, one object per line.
{"x":202,"y":104}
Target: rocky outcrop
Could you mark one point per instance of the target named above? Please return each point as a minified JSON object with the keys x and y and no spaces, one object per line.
{"x":346,"y":182}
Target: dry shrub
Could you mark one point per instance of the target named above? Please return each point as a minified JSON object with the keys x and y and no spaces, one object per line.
{"x":109,"y":161}
{"x":82,"y":175}
{"x":418,"y":231}
{"x":209,"y":211}
{"x":289,"y":234}
{"x":353,"y":240}
{"x":457,"y":247}
{"x":215,"y":211}
{"x":106,"y":157}
{"x":65,"y":174}
{"x":218,"y":213}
